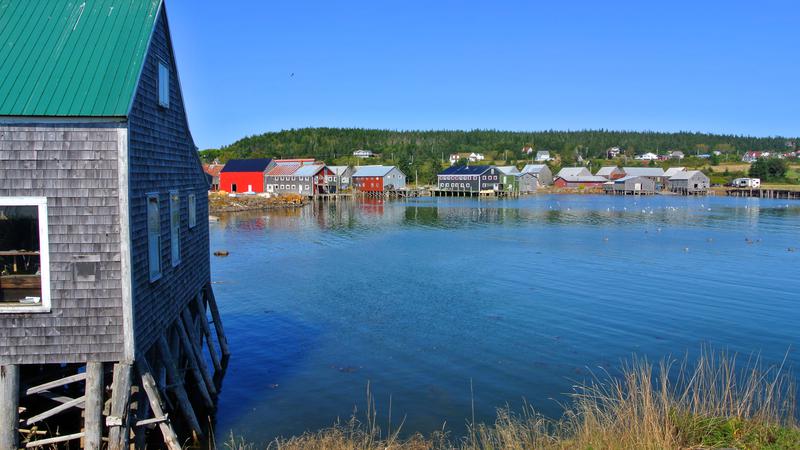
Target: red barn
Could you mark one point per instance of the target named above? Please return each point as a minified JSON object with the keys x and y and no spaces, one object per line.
{"x":244,"y":175}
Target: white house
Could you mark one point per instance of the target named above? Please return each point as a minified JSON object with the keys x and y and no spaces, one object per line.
{"x":649,"y":156}
{"x":543,"y":156}
{"x":613,"y":152}
{"x":677,"y":154}
{"x":363,"y":154}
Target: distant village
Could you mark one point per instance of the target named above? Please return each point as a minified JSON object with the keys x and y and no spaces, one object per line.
{"x":465,"y":176}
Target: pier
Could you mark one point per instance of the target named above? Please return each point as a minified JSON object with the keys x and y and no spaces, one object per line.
{"x":787,"y":194}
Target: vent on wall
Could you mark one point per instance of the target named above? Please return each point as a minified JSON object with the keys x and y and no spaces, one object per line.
{"x":86,"y":268}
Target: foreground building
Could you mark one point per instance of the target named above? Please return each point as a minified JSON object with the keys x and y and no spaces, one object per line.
{"x":654,"y":173}
{"x":630,"y":185}
{"x":103,"y":196}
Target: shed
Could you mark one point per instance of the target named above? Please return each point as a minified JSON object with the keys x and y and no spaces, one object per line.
{"x":543,"y":174}
{"x":689,"y":182}
{"x":104,"y":198}
{"x":378,"y":178}
{"x":574,"y":172}
{"x":610,"y":172}
{"x":582,"y":181}
{"x":245,"y":175}
{"x":654,"y":173}
{"x":526,"y":182}
{"x":631,"y":185}
{"x":342,"y":176}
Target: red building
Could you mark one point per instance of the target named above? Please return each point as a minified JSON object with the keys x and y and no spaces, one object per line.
{"x":378,"y":178}
{"x":212,"y":173}
{"x":586,"y":181}
{"x":244,"y":175}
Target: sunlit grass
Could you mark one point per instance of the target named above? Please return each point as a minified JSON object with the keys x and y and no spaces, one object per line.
{"x":713,"y":402}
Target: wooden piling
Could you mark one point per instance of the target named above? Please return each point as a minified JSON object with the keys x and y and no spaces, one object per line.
{"x":93,"y":406}
{"x":175,"y":382}
{"x":190,"y":333}
{"x":154,"y":399}
{"x":201,"y":313}
{"x":212,"y":305}
{"x":9,"y":404}
{"x":205,"y":387}
{"x":118,"y":420}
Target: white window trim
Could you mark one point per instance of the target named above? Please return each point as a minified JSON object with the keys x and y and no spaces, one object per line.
{"x":172,"y":238}
{"x":163,"y":102}
{"x":154,"y":277}
{"x":44,"y":253}
{"x":192,"y":200}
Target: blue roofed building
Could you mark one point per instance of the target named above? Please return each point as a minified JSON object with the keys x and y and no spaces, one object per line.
{"x":471,"y":179}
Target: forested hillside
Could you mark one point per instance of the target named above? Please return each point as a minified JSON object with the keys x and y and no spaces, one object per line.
{"x":421,"y":153}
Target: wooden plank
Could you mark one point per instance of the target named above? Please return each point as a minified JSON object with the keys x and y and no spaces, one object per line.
{"x":201,"y":310}
{"x":154,"y":420}
{"x":191,"y":358}
{"x":212,"y":306}
{"x":142,"y":412}
{"x":59,"y":398}
{"x":154,"y":398}
{"x":119,"y":434}
{"x":58,"y":409}
{"x":53,"y":440}
{"x":93,"y":416}
{"x":9,"y":406}
{"x":176,"y":386}
{"x":53,"y":384}
{"x":201,"y":363}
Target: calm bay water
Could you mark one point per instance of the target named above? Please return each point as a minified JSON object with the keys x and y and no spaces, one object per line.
{"x":520,"y":298}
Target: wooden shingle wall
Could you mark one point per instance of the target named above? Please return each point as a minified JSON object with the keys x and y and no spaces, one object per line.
{"x":162,"y":157}
{"x":75,"y":166}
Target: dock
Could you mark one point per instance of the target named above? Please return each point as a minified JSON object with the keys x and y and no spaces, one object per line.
{"x":786,"y":194}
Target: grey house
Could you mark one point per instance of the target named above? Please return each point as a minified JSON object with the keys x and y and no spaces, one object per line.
{"x":469,"y":179}
{"x":543,"y":174}
{"x":630,"y":185}
{"x":104,"y":253}
{"x":341,"y":176}
{"x":689,"y":182}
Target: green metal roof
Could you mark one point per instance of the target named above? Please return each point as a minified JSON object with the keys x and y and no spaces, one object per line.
{"x":72,"y":58}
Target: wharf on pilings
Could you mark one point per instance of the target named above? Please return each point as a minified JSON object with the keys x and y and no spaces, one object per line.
{"x":786,"y":194}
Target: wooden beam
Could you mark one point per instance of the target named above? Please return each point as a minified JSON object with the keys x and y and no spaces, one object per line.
{"x":142,"y":412}
{"x":119,"y":434}
{"x":58,"y":409}
{"x":201,"y":310}
{"x":191,"y":358}
{"x":9,"y":404}
{"x":212,"y":306}
{"x":154,"y":398}
{"x":177,"y":388}
{"x":93,"y":416}
{"x":59,"y":398}
{"x":53,"y":384}
{"x":53,"y":440}
{"x":201,"y":363}
{"x":154,"y":420}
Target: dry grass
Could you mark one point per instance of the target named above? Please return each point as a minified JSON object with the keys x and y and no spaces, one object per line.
{"x":715,"y":402}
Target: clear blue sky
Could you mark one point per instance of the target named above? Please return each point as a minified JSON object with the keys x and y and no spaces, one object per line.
{"x":716,"y":66}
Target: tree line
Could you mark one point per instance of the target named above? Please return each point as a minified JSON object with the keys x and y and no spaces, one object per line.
{"x":422,"y":154}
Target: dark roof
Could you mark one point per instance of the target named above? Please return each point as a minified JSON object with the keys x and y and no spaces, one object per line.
{"x":247,"y":165}
{"x":465,"y":170}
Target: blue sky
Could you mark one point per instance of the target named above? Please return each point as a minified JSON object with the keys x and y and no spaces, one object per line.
{"x":715,"y":66}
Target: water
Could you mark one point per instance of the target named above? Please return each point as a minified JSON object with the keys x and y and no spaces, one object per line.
{"x":514,"y":300}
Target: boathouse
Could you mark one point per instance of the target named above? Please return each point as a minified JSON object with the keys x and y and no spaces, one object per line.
{"x":469,"y":179}
{"x":654,"y":173}
{"x":543,"y":174}
{"x":578,"y":181}
{"x":376,"y":179}
{"x":690,"y":182}
{"x":341,"y":176}
{"x":630,"y":185}
{"x":610,"y":173}
{"x":104,"y":250}
{"x":245,"y":175}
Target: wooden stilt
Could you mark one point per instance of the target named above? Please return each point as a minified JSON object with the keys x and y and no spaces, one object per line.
{"x":142,"y":412}
{"x":9,"y":404}
{"x":175,"y":381}
{"x":118,"y":420}
{"x":187,"y":328}
{"x":154,"y":399}
{"x":93,"y":414}
{"x":212,"y":305}
{"x":203,"y":386}
{"x":201,"y":309}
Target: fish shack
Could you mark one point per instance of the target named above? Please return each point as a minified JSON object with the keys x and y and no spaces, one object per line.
{"x":105,"y":290}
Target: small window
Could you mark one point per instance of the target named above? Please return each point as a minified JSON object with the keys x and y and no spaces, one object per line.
{"x":163,"y":85}
{"x":233,"y":187}
{"x":192,"y":210}
{"x":24,"y":255}
{"x":175,"y":226}
{"x":154,"y":236}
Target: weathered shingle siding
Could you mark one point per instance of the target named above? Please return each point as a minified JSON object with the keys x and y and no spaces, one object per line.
{"x":163,"y":157}
{"x":75,"y":167}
